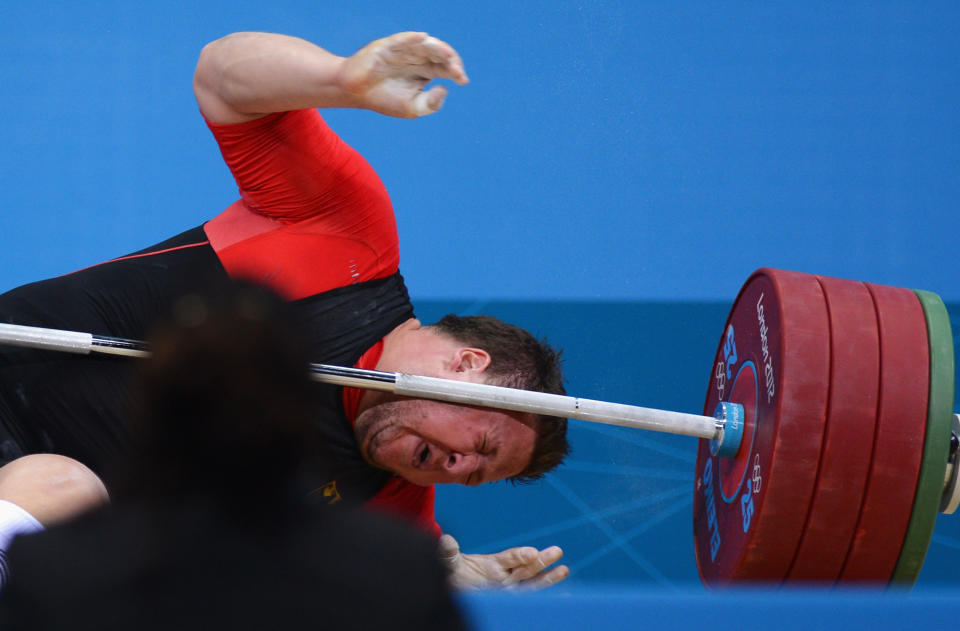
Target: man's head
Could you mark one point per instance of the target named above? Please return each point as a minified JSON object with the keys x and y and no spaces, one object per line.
{"x":429,"y":442}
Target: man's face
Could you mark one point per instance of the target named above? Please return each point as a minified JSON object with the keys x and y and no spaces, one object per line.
{"x":430,"y":442}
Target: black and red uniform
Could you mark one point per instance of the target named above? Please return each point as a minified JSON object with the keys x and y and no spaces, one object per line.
{"x":314,"y":223}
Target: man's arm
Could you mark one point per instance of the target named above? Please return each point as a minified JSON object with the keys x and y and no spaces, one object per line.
{"x":245,"y":76}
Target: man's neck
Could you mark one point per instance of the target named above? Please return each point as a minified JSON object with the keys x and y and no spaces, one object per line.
{"x":398,"y":344}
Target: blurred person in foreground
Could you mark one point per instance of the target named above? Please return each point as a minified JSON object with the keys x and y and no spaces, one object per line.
{"x":218,"y":531}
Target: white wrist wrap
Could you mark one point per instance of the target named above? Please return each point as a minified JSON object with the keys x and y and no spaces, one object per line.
{"x":15,"y":521}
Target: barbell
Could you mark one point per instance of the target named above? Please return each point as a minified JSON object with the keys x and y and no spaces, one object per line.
{"x":828,"y":443}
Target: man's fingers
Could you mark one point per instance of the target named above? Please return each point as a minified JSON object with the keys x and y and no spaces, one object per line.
{"x":516,"y":557}
{"x":448,"y":548}
{"x":438,"y":50}
{"x":430,"y":101}
{"x":443,"y":54}
{"x":546,"y":579}
{"x":550,"y":555}
{"x":389,"y":75}
{"x":400,"y":45}
{"x":429,"y":55}
{"x":536,"y":564}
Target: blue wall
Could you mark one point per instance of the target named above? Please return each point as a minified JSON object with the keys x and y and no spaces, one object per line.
{"x":633,"y":160}
{"x":604,"y":150}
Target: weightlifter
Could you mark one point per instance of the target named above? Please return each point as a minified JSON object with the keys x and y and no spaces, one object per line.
{"x":315,"y":224}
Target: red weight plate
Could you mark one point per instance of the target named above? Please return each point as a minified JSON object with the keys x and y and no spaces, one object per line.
{"x":848,"y":436}
{"x":898,"y":442}
{"x":774,"y":358}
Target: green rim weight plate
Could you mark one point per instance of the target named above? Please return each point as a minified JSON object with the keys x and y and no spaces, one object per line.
{"x":936,"y":446}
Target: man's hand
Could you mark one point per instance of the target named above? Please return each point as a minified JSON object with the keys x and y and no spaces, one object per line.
{"x":388,"y":75}
{"x":244,"y":76}
{"x":525,"y":568}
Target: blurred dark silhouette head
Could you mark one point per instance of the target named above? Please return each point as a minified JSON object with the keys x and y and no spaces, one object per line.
{"x":224,"y":403}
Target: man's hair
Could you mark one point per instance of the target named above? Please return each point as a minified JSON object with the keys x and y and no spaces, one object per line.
{"x":518,"y":360}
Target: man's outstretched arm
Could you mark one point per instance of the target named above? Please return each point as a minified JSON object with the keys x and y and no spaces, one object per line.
{"x":245,"y":76}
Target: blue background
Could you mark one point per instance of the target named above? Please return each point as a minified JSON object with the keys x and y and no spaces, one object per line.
{"x":610,"y":177}
{"x":604,"y":150}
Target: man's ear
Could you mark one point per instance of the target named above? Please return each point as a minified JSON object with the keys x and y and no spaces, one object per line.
{"x":470,"y":360}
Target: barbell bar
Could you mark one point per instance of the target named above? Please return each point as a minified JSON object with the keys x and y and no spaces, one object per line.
{"x":715,"y":428}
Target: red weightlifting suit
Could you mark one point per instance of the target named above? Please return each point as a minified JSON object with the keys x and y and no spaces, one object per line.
{"x":313,"y":215}
{"x":314,"y":223}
